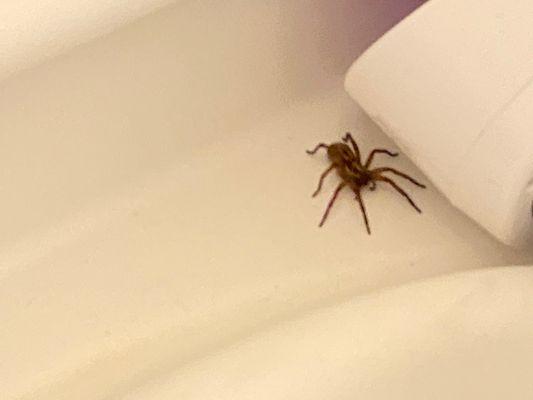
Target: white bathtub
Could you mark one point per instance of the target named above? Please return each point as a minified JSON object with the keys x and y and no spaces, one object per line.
{"x":156,"y":212}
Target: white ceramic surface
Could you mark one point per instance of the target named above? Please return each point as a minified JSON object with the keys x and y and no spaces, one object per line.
{"x":34,"y":31}
{"x":156,"y":195}
{"x":455,"y":337}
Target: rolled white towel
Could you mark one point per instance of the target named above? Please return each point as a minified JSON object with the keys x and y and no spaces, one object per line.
{"x":452,"y":84}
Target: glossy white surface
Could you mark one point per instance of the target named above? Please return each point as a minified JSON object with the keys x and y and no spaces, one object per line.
{"x":454,"y":337}
{"x":34,"y":31}
{"x":156,"y":195}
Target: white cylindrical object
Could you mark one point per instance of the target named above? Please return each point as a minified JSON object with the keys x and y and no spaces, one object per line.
{"x":452,"y":84}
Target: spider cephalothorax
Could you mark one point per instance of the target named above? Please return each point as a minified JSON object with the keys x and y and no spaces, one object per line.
{"x":356,"y":175}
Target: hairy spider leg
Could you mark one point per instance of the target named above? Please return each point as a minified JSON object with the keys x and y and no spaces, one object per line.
{"x":399,"y":189}
{"x":378,"y":151}
{"x":363,"y":209}
{"x":330,"y":204}
{"x":399,"y":173}
{"x":322,"y":177}
{"x":318,"y":146}
{"x":348,"y":138}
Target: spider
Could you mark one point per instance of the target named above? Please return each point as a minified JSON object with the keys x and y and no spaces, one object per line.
{"x":357,"y":175}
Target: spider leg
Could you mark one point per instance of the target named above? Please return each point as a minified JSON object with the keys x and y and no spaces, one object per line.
{"x":318,"y":146}
{"x":376,"y":151}
{"x":399,"y":173}
{"x":348,"y":138}
{"x":330,"y":204}
{"x":363,"y":209}
{"x":322,"y":177}
{"x":399,"y":190}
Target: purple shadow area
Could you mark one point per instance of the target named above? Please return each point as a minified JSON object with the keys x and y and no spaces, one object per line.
{"x":336,"y":32}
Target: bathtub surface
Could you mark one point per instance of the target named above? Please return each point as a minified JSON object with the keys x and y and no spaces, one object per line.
{"x":156,"y":199}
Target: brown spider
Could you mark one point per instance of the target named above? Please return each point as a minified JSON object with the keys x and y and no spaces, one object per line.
{"x":357,"y":175}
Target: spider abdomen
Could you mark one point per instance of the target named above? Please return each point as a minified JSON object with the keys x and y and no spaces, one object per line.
{"x":353,"y":176}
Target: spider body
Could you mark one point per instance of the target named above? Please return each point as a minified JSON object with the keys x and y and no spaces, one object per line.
{"x":357,"y":175}
{"x":347,"y":166}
